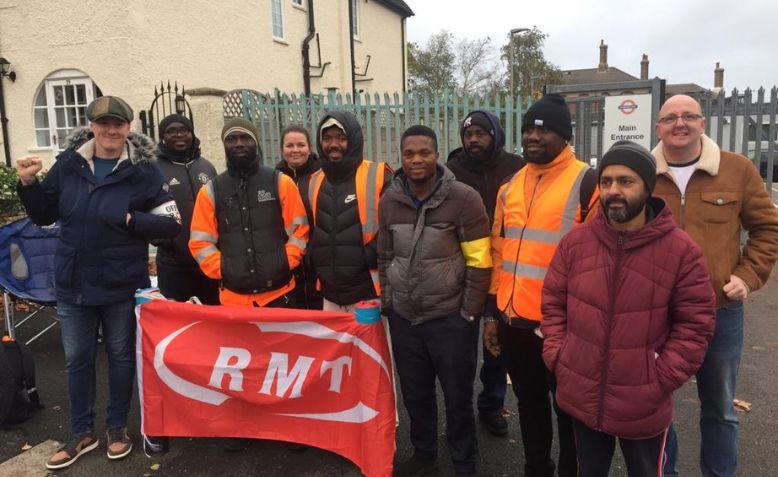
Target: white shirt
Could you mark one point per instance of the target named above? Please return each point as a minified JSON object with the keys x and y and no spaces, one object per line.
{"x":682,"y":173}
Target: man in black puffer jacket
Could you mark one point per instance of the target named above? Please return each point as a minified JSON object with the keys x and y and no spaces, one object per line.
{"x":178,"y":154}
{"x":343,"y":198}
{"x":483,"y":164}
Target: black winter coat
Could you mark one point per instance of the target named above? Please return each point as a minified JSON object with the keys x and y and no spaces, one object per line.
{"x":342,"y":263}
{"x":101,"y":260}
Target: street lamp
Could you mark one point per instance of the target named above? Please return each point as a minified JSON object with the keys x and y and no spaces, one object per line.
{"x":513,"y":33}
{"x":5,"y":70}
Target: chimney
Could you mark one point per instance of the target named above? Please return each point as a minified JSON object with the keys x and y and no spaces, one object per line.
{"x":603,"y":66}
{"x":718,"y":77}
{"x":644,"y":67}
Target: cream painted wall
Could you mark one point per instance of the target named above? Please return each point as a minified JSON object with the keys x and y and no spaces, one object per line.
{"x":128,"y":47}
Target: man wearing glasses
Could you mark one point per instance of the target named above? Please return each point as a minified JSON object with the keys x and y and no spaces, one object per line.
{"x":178,"y":274}
{"x":713,"y":194}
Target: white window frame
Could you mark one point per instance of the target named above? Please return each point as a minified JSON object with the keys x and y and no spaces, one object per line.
{"x":60,"y":78}
{"x":280,"y":5}
{"x":355,"y":9}
{"x":298,"y":3}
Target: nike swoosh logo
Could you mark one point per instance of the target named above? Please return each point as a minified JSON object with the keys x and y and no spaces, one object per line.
{"x":350,"y":198}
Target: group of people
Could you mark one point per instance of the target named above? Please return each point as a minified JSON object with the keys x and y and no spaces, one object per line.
{"x":600,"y":291}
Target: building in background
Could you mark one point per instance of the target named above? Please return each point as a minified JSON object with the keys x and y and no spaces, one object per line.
{"x":67,"y":53}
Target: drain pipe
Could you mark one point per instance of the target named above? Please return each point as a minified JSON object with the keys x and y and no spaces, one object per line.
{"x":307,"y":49}
{"x":351,"y":44}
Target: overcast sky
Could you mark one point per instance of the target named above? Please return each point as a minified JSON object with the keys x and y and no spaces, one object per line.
{"x":683,"y":38}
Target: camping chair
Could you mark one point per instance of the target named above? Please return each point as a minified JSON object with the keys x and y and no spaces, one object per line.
{"x":27,"y":270}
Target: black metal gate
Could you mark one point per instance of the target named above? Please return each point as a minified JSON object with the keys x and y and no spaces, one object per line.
{"x":167,"y":100}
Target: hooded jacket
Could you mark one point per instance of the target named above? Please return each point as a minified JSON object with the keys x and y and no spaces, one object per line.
{"x":485,"y":176}
{"x":627,"y":317}
{"x":433,"y":259}
{"x":186,"y":173}
{"x":100,"y":259}
{"x":337,"y":253}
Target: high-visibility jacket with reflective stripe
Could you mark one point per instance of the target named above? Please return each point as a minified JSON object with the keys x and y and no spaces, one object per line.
{"x":204,"y":240}
{"x":369,"y":181}
{"x":535,"y":209}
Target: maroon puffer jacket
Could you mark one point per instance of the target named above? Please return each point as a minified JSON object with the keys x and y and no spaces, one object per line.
{"x":627,"y":317}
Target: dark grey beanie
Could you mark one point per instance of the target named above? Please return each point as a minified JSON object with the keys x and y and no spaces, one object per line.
{"x":634,"y":156}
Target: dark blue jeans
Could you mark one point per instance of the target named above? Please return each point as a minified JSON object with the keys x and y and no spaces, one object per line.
{"x":445,"y":348}
{"x":79,"y":325}
{"x":716,"y":380}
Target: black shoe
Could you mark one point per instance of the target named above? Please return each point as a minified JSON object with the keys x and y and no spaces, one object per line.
{"x":417,"y":465}
{"x":494,"y":422}
{"x":155,"y":446}
{"x":236,"y":444}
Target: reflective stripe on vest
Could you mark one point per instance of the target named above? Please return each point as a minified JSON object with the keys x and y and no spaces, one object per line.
{"x":531,"y":232}
{"x":368,"y":182}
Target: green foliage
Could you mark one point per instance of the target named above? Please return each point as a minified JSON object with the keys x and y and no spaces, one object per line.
{"x":531,"y":70}
{"x":431,"y":68}
{"x":10,"y":206}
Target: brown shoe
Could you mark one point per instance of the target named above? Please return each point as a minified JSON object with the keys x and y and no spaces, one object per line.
{"x":71,"y":451}
{"x":119,"y":443}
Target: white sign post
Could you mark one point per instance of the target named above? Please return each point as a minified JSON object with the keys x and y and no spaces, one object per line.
{"x":627,"y":118}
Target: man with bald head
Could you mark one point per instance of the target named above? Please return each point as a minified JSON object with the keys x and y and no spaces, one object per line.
{"x":713,"y":195}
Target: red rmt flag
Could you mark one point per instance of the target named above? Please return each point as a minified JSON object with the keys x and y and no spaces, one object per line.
{"x":312,"y":377}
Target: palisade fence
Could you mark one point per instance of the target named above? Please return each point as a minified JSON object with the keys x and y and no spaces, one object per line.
{"x":383,"y":117}
{"x":743,"y":122}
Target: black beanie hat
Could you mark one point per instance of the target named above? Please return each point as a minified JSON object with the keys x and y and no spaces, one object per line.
{"x":476,"y":118}
{"x":174,"y":118}
{"x":551,"y":112}
{"x":634,"y":156}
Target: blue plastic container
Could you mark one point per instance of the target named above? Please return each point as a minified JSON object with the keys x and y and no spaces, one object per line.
{"x":367,"y":312}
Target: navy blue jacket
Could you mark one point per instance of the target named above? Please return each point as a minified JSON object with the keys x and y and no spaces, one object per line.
{"x":101,"y":260}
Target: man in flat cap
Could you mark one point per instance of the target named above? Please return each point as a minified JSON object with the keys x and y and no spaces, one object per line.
{"x":110,"y":200}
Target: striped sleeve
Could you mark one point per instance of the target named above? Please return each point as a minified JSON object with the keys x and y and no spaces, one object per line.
{"x":204,"y":233}
{"x":295,"y":220}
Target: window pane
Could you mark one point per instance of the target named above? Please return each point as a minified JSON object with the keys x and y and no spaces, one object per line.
{"x":72,"y":117}
{"x":82,"y":116}
{"x":81,"y":93}
{"x":41,"y":99}
{"x":41,"y":118}
{"x":62,"y":134}
{"x":59,"y":96}
{"x":70,"y":95}
{"x":278,"y":19}
{"x":60,"y":112}
{"x":42,"y":138}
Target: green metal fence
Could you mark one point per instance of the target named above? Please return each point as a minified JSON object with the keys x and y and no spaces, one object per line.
{"x":383,"y":117}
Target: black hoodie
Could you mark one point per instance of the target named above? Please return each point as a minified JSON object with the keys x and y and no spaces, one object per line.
{"x":486,"y":176}
{"x":335,"y":250}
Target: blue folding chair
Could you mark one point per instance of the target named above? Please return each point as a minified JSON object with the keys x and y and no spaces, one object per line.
{"x":27,"y":270}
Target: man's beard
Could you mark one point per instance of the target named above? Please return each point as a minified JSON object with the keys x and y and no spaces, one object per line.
{"x":479,"y":155}
{"x":624,"y":214}
{"x":242,"y":162}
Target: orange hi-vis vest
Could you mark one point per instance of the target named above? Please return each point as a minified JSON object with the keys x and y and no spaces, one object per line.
{"x":535,"y":209}
{"x":369,"y":180}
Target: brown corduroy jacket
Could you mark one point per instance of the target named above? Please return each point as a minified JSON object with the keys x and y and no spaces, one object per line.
{"x":724,"y":195}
